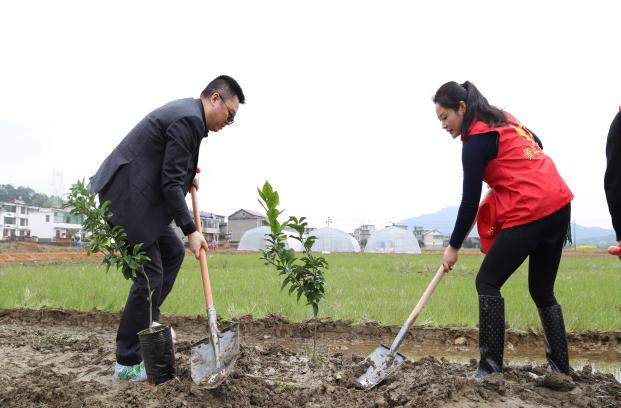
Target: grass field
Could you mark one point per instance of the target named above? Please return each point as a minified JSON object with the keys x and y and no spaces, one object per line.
{"x":360,"y":287}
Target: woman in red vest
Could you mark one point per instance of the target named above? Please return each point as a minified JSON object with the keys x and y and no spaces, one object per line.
{"x":532,"y":205}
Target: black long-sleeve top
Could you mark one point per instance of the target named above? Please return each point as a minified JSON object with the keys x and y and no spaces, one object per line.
{"x":612,"y":178}
{"x":477,"y":150}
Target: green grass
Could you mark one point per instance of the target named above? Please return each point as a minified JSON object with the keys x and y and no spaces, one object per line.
{"x":358,"y":287}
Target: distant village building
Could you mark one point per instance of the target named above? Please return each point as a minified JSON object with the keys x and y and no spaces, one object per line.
{"x":14,"y":220}
{"x":472,"y":242}
{"x":241,"y":221}
{"x":418,"y":232}
{"x":19,"y":221}
{"x":55,"y":225}
{"x":214,"y":229}
{"x":363,"y":233}
{"x":434,"y":239}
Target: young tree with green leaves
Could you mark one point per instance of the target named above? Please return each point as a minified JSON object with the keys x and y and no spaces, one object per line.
{"x":110,"y":240}
{"x":303,"y":275}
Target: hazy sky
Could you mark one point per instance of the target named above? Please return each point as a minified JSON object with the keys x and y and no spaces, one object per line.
{"x":338,"y":116}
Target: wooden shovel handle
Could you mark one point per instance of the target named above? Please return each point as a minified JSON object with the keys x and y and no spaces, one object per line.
{"x":423,"y":300}
{"x":202,"y":255}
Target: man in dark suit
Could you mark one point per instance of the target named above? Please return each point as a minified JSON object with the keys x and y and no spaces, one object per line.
{"x":146,"y":177}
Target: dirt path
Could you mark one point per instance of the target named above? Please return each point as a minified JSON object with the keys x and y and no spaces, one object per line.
{"x":56,"y":358}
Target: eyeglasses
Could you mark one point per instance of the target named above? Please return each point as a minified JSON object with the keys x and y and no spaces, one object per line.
{"x":231,"y":117}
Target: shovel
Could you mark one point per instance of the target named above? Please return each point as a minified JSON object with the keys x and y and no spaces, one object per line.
{"x":212,"y":358}
{"x":384,"y":361}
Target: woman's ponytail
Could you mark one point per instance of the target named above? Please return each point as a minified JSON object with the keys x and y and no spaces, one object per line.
{"x":477,"y":107}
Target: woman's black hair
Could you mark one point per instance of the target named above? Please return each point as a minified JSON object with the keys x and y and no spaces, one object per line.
{"x":451,"y":93}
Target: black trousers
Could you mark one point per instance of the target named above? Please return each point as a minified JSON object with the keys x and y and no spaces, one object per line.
{"x":166,"y":255}
{"x":542,"y":241}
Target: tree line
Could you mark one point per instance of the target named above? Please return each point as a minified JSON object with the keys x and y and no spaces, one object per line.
{"x":8,"y":193}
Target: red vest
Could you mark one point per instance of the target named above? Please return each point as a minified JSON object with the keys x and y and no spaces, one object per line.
{"x":526,"y":184}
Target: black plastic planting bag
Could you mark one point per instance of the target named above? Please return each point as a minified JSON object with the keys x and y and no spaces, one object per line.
{"x":158,"y":353}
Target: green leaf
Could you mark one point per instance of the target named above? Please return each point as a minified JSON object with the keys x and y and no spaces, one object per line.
{"x":267,"y":189}
{"x":304,"y":275}
{"x":300,"y":293}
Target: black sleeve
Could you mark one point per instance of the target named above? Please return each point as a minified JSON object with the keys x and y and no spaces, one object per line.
{"x":476,"y":152}
{"x":537,"y":140}
{"x":180,"y":145}
{"x":612,"y":178}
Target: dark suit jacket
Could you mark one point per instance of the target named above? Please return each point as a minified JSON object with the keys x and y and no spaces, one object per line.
{"x":149,"y":173}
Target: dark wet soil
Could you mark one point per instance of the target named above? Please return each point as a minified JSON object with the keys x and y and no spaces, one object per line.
{"x":57,"y":358}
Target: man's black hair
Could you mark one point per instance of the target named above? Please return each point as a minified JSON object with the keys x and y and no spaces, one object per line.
{"x":226,"y":86}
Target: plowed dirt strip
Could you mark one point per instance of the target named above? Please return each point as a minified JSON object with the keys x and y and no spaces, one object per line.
{"x":7,"y":257}
{"x":13,"y":257}
{"x":56,"y":358}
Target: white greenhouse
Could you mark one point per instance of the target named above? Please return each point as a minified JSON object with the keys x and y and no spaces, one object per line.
{"x":334,"y":240}
{"x":393,"y":240}
{"x":255,"y":239}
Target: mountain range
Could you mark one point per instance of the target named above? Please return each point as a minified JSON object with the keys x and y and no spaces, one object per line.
{"x":444,"y":220}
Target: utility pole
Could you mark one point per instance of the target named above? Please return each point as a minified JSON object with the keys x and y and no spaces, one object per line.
{"x":58,"y":186}
{"x":329,"y":221}
{"x":575,"y":248}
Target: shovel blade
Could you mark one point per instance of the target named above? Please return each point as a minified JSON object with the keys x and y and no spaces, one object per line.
{"x":204,"y":367}
{"x":382,"y":363}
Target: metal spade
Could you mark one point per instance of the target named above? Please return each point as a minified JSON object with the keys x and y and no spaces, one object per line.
{"x":212,"y":358}
{"x":384,"y":361}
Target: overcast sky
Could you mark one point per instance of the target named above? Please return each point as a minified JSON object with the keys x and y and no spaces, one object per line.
{"x":338,"y":116}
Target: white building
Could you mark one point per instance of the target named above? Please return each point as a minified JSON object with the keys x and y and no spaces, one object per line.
{"x":363,"y":233}
{"x":434,"y":239}
{"x":14,"y":220}
{"x":54,"y":224}
{"x":214,"y":228}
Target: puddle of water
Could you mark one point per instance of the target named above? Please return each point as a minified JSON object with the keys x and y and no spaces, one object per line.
{"x":600,"y":361}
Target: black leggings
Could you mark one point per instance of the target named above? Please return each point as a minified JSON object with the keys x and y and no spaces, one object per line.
{"x":541,"y":240}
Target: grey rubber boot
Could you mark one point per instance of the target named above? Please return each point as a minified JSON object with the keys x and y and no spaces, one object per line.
{"x":555,"y":338}
{"x":491,"y":335}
